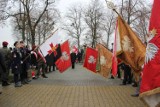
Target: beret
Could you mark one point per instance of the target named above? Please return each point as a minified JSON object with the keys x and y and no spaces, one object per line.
{"x":5,"y":43}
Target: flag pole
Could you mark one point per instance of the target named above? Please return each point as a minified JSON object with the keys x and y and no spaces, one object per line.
{"x":41,"y":44}
{"x":111,"y":5}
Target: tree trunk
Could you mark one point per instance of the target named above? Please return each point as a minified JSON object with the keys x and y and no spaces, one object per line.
{"x":78,"y":43}
{"x":33,"y":37}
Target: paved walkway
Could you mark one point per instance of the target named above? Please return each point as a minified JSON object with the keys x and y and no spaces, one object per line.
{"x":73,"y":88}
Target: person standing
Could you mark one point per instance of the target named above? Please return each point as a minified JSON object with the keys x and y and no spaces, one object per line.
{"x":73,"y":59}
{"x":127,"y":74}
{"x":41,"y":65}
{"x":2,"y":66}
{"x":6,"y":53}
{"x":25,"y":63}
{"x":16,"y":64}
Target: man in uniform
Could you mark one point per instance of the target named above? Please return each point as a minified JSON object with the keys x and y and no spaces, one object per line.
{"x":2,"y":66}
{"x":16,"y":64}
{"x":6,"y":53}
{"x":25,"y":63}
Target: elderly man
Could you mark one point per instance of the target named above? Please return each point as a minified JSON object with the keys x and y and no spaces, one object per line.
{"x":6,"y":54}
{"x":2,"y":66}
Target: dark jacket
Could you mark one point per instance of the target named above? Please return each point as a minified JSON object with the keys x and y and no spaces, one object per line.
{"x":73,"y":57}
{"x":2,"y":65}
{"x":33,"y":58}
{"x":16,"y":61}
{"x":6,"y":53}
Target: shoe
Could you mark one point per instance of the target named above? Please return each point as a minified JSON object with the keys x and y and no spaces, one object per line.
{"x":135,"y":95}
{"x":44,"y":76}
{"x":135,"y":85}
{"x":5,"y":83}
{"x":129,"y":82}
{"x":23,"y":82}
{"x":18,"y":85}
{"x":28,"y":80}
{"x":123,"y":84}
{"x":0,"y":92}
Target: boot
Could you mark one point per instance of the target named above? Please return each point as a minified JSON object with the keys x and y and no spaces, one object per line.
{"x":5,"y":83}
{"x":44,"y":76}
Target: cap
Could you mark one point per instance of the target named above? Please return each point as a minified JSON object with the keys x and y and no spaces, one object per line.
{"x":5,"y":43}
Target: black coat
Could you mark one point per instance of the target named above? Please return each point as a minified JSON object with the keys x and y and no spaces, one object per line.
{"x":33,"y":58}
{"x":16,"y":62}
{"x":73,"y":57}
{"x":2,"y":65}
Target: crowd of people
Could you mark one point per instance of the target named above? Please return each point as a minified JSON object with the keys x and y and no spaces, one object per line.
{"x":22,"y":62}
{"x":19,"y":61}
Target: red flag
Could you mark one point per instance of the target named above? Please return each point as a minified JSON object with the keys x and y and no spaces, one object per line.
{"x":41,"y":56}
{"x":64,"y":62}
{"x":91,"y":59}
{"x":114,"y":58}
{"x":150,"y":84}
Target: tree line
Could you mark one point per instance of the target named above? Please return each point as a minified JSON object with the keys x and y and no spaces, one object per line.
{"x":34,"y":20}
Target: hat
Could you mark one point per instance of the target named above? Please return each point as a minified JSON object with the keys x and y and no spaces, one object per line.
{"x":5,"y":43}
{"x":15,"y":43}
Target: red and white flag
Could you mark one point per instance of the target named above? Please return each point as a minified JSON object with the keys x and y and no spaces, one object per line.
{"x":50,"y":45}
{"x":91,"y":59}
{"x":64,"y":62}
{"x":150,"y":85}
{"x":114,"y":57}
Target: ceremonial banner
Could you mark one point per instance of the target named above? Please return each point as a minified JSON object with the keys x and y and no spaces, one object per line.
{"x":64,"y":62}
{"x":114,"y":58}
{"x":91,"y":59}
{"x":132,"y":49}
{"x":150,"y":85}
{"x":105,"y":60}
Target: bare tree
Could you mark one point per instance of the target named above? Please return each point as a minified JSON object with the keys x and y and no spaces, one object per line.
{"x":74,"y":23}
{"x":136,"y":12}
{"x":3,"y":7}
{"x":47,"y":25}
{"x":33,"y":16}
{"x":108,"y":26}
{"x":93,"y":18}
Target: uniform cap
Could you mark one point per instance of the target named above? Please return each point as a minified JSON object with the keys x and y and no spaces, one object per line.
{"x":5,"y":43}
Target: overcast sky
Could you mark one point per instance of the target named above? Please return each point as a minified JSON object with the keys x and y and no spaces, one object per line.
{"x":6,"y":31}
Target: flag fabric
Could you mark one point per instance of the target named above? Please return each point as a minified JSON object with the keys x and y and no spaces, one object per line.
{"x":91,"y":58}
{"x":150,"y":84}
{"x":64,"y":62}
{"x":132,"y":49}
{"x":41,"y":57}
{"x":114,"y":58}
{"x":54,"y":56}
{"x":49,"y":45}
{"x":105,"y":60}
{"x":57,"y":53}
